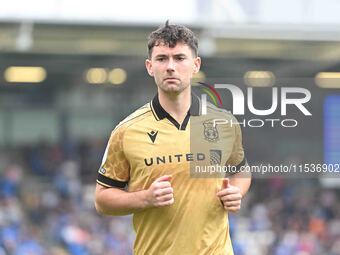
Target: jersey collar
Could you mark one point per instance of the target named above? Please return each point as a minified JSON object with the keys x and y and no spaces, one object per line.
{"x":160,"y":113}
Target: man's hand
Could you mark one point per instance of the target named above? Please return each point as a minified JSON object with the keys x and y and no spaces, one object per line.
{"x":230,"y":196}
{"x":160,"y":193}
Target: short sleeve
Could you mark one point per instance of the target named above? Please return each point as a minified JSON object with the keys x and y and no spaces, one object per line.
{"x":237,"y":157}
{"x":114,"y":170}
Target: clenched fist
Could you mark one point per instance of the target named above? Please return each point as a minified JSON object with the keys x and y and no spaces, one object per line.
{"x":230,"y":196}
{"x":160,"y":193}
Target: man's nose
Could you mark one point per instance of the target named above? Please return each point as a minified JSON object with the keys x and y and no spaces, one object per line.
{"x":171,"y":65}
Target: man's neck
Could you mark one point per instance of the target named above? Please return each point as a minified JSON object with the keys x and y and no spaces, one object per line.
{"x":177,"y":105}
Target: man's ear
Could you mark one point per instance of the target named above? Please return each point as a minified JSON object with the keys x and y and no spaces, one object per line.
{"x":148,"y":66}
{"x":197,"y":64}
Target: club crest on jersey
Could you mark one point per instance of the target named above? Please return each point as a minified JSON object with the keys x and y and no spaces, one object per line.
{"x":210,"y":132}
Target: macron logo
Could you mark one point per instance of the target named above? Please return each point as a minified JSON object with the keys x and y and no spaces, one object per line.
{"x":153,"y":135}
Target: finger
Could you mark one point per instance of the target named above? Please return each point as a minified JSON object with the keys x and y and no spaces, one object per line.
{"x":164,"y":191}
{"x":225,"y":183}
{"x":165,"y":198}
{"x":223,"y":192}
{"x":162,"y":185}
{"x":228,"y":191}
{"x":233,"y":203}
{"x":232,"y":209}
{"x":164,"y":178}
{"x":230,"y":198}
{"x":168,"y":202}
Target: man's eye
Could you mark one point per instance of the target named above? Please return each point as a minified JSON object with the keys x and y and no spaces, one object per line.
{"x":180,"y":58}
{"x":160,"y":59}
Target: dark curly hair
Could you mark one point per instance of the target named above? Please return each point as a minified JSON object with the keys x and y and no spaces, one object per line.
{"x":170,"y":35}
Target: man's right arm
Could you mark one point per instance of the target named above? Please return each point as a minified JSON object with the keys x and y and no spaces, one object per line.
{"x":115,"y":201}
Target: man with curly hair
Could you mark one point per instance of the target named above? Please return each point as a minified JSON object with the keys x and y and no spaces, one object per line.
{"x":146,"y":166}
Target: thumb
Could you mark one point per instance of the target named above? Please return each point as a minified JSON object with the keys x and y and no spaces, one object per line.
{"x":164,"y":178}
{"x":225,"y":183}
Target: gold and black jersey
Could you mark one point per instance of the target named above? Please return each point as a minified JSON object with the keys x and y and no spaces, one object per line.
{"x":150,"y":143}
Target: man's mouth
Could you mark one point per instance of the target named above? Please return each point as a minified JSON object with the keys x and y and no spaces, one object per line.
{"x":170,"y":79}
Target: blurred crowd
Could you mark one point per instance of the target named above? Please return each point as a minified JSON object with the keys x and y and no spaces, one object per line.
{"x":46,"y":203}
{"x":288,"y":217}
{"x":46,"y":208}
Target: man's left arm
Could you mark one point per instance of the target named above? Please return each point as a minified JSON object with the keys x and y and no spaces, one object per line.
{"x":236,"y":185}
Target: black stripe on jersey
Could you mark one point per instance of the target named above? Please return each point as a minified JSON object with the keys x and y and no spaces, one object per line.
{"x":237,"y":168}
{"x":153,"y":111}
{"x":243,"y":163}
{"x":110,"y":182}
{"x":185,"y":121}
{"x":173,"y":121}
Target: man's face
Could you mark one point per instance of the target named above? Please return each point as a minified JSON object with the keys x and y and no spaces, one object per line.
{"x":172,"y":68}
